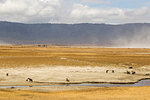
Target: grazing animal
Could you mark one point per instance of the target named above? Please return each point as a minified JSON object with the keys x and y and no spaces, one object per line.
{"x":113,"y":71}
{"x":12,"y":87}
{"x":133,"y":72}
{"x":147,"y":74}
{"x":67,"y":80}
{"x":107,"y":71}
{"x":6,"y":74}
{"x":29,"y":80}
{"x":128,"y":72}
{"x":130,"y":67}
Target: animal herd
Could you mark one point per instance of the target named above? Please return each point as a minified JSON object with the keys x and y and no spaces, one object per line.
{"x":127,"y":72}
{"x":107,"y":71}
{"x":112,"y":71}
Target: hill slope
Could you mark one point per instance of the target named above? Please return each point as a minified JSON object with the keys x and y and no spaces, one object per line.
{"x":131,"y":35}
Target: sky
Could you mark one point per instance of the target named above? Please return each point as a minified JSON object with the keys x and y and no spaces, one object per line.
{"x":75,"y":11}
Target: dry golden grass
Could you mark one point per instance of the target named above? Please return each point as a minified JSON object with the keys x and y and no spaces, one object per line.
{"x":30,"y":56}
{"x":15,"y":56}
{"x":112,"y":93}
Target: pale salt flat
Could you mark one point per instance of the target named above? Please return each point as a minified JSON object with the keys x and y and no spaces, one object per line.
{"x":58,"y":74}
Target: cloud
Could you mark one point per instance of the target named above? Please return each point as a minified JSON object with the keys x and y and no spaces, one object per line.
{"x":96,"y":1}
{"x":27,"y":10}
{"x":68,"y":11}
{"x":85,"y":14}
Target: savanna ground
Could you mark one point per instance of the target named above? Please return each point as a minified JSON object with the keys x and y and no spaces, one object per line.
{"x":14,"y":56}
{"x":55,"y":63}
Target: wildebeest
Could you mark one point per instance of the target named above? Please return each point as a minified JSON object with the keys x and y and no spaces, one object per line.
{"x":29,"y":80}
{"x":133,"y":72}
{"x":107,"y":71}
{"x":67,"y":80}
{"x":147,"y":74}
{"x":128,"y":72}
{"x":113,"y":71}
{"x":7,"y":74}
{"x":110,"y":70}
{"x":12,"y":87}
{"x":130,"y":67}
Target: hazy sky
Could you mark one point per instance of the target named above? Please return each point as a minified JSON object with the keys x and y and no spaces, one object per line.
{"x":75,"y":11}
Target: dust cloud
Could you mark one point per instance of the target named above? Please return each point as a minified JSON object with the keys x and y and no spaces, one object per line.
{"x":139,"y":38}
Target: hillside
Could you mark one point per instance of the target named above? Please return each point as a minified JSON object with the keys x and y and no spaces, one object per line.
{"x":124,"y":35}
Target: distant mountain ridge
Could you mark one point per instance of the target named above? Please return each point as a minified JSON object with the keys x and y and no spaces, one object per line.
{"x":135,"y":34}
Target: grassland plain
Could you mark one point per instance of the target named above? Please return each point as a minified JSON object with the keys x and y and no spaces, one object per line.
{"x":14,"y":56}
{"x":101,"y":93}
{"x":32,"y":56}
